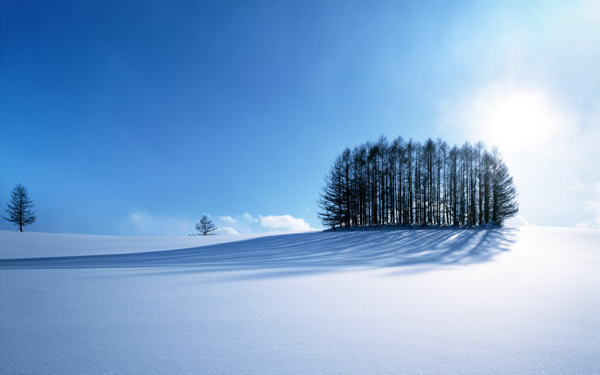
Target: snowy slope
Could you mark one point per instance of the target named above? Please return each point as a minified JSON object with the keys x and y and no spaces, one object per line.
{"x":499,"y":301}
{"x":14,"y":244}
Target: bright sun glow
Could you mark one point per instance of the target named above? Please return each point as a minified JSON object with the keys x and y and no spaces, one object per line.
{"x":514,"y":120}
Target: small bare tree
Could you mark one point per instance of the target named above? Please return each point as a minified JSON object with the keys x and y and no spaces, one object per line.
{"x":205,"y":227}
{"x":19,"y":209}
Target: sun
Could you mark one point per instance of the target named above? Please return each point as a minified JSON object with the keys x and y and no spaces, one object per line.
{"x":514,"y":120}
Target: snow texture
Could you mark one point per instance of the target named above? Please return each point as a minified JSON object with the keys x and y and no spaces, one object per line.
{"x":436,"y":301}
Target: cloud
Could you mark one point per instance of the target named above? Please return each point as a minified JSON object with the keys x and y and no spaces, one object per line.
{"x":142,"y":223}
{"x":246,"y":216}
{"x":592,"y":207}
{"x":284,"y":223}
{"x":590,"y":10}
{"x":227,"y":231}
{"x":577,"y":186}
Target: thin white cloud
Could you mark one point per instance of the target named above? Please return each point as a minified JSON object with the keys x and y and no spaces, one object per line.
{"x":593,"y":208}
{"x":246,"y":216}
{"x":227,"y":231}
{"x":590,"y":10}
{"x":578,"y":186}
{"x":142,"y":223}
{"x":228,"y":219}
{"x":284,"y":223}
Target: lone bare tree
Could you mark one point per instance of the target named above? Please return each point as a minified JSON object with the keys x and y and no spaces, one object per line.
{"x":19,"y":209}
{"x":205,"y":227}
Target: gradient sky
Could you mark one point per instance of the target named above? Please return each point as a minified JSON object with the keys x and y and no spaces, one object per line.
{"x":135,"y":118}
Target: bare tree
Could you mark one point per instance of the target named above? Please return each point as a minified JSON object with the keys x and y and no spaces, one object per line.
{"x":205,"y":227}
{"x":19,"y":209}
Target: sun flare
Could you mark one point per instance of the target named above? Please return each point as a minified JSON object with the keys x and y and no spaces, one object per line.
{"x":516,"y":119}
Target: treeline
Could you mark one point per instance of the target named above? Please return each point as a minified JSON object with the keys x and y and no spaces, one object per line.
{"x":409,"y":183}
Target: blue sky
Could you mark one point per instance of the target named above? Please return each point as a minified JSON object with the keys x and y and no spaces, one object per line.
{"x":135,"y":118}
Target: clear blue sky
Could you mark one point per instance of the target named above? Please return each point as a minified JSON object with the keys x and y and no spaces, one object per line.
{"x":134,"y":118}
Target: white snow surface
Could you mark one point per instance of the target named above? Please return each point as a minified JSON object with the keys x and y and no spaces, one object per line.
{"x":434,"y":301}
{"x":14,"y":244}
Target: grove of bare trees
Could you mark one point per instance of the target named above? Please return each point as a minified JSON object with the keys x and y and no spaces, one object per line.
{"x":411,"y":183}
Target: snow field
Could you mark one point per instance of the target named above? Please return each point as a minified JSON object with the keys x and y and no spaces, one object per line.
{"x":409,"y":301}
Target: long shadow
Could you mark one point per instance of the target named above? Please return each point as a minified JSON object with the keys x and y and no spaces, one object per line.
{"x":317,"y":250}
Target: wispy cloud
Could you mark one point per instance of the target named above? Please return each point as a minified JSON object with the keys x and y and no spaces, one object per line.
{"x":284,"y":223}
{"x":592,"y":207}
{"x":143,"y":223}
{"x":228,"y":219}
{"x":590,"y":10}
{"x":246,"y":216}
{"x":227,"y":231}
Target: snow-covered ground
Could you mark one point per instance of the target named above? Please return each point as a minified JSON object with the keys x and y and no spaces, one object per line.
{"x":513,"y":300}
{"x":40,"y":245}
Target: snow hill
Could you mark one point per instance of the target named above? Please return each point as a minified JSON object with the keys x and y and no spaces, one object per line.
{"x":469,"y":301}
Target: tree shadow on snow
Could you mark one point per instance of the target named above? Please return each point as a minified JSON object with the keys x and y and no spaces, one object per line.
{"x":306,"y":252}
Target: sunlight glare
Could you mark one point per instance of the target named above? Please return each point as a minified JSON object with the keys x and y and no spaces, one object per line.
{"x":516,"y":119}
